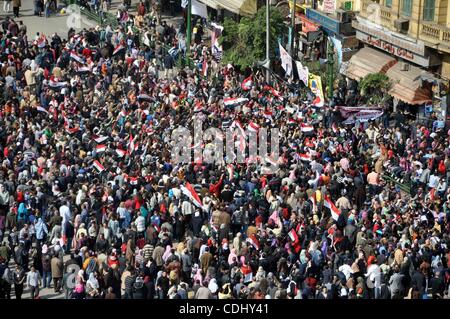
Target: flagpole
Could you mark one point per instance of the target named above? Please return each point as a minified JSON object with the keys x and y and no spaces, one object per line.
{"x":292,"y":34}
{"x":267,"y":39}
{"x":188,"y":34}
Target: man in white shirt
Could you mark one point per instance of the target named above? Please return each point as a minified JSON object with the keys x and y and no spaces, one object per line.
{"x":64,"y":212}
{"x":33,"y":282}
{"x":140,"y":223}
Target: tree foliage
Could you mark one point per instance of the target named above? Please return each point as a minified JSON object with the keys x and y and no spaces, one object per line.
{"x":375,"y":84}
{"x":244,"y":43}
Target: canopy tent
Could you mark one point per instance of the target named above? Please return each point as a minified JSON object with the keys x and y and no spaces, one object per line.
{"x":407,"y":85}
{"x":246,"y":8}
{"x":210,"y":3}
{"x":366,"y":61}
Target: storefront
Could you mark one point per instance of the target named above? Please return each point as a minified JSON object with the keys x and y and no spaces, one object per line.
{"x":404,"y":60}
{"x":338,"y":28}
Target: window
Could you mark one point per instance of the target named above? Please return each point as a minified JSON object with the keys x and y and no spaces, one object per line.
{"x":388,"y":3}
{"x":406,"y":7}
{"x":428,"y":10}
{"x":348,"y":5}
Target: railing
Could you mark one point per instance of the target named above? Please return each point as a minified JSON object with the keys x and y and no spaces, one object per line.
{"x":434,"y":33}
{"x":386,"y":15}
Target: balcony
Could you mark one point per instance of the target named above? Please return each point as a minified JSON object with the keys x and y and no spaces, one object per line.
{"x":376,"y":13}
{"x":436,"y":34}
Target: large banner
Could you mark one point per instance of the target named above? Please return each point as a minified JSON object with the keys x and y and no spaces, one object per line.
{"x":216,"y":48}
{"x":286,"y":61}
{"x":315,"y":85}
{"x":302,"y":72}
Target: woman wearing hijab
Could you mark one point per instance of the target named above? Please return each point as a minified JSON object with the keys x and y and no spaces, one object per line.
{"x":167,"y":253}
{"x":232,"y":257}
{"x":92,"y":286}
{"x":213,"y":287}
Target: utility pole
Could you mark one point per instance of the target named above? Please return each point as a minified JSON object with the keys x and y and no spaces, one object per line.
{"x":292,"y":33}
{"x":330,"y":58}
{"x":188,"y":34}
{"x":267,"y":39}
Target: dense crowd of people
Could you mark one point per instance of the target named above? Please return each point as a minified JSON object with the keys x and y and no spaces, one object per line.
{"x":92,"y":205}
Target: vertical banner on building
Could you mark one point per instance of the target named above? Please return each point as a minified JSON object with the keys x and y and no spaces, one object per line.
{"x":286,"y":61}
{"x":302,"y":72}
{"x":216,"y":48}
{"x":315,"y":84}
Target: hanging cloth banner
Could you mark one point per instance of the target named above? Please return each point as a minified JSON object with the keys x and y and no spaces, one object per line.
{"x":315,"y":84}
{"x":302,"y":72}
{"x":286,"y":61}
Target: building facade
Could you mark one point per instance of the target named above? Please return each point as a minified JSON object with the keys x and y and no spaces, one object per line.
{"x":408,"y":40}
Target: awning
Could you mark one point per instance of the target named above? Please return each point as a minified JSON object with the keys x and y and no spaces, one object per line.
{"x":210,"y":3}
{"x":240,"y":7}
{"x":407,"y":86}
{"x":366,"y":61}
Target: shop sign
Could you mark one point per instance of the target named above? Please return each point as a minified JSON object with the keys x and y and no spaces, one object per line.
{"x":308,"y":25}
{"x":325,"y":21}
{"x":392,"y":49}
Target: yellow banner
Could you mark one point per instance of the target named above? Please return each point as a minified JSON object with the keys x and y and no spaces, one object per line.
{"x":315,"y":85}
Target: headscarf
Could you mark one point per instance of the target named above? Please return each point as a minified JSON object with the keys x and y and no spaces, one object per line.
{"x":198,"y":276}
{"x":231,"y":256}
{"x":92,"y":281}
{"x":167,"y":253}
{"x":213,"y":287}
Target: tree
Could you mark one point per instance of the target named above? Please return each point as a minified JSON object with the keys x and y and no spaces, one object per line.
{"x":375,"y":86}
{"x":244,"y":43}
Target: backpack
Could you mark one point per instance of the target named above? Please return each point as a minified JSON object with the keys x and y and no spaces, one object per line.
{"x":92,"y":266}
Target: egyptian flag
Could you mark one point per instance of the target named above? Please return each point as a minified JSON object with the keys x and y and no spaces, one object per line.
{"x":306,"y":128}
{"x":41,"y":42}
{"x":132,"y":145}
{"x":270,"y":160}
{"x":238,"y":125}
{"x":247,"y":84}
{"x":41,"y":109}
{"x":83,"y":69}
{"x":205,"y":68}
{"x":99,"y":139}
{"x":334,"y":127}
{"x":198,"y":106}
{"x":293,"y":235}
{"x":55,"y":83}
{"x":268,"y":114}
{"x":76,"y":57}
{"x":253,"y":241}
{"x":190,"y":192}
{"x":292,"y":121}
{"x":100,"y":148}
{"x":67,"y":126}
{"x":253,"y":127}
{"x":305,"y":157}
{"x":118,"y":49}
{"x":335,"y":212}
{"x":121,"y":153}
{"x":98,"y":166}
{"x":235,"y":101}
{"x":274,"y":92}
{"x":132,"y":180}
{"x":230,"y":170}
{"x":247,"y":272}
